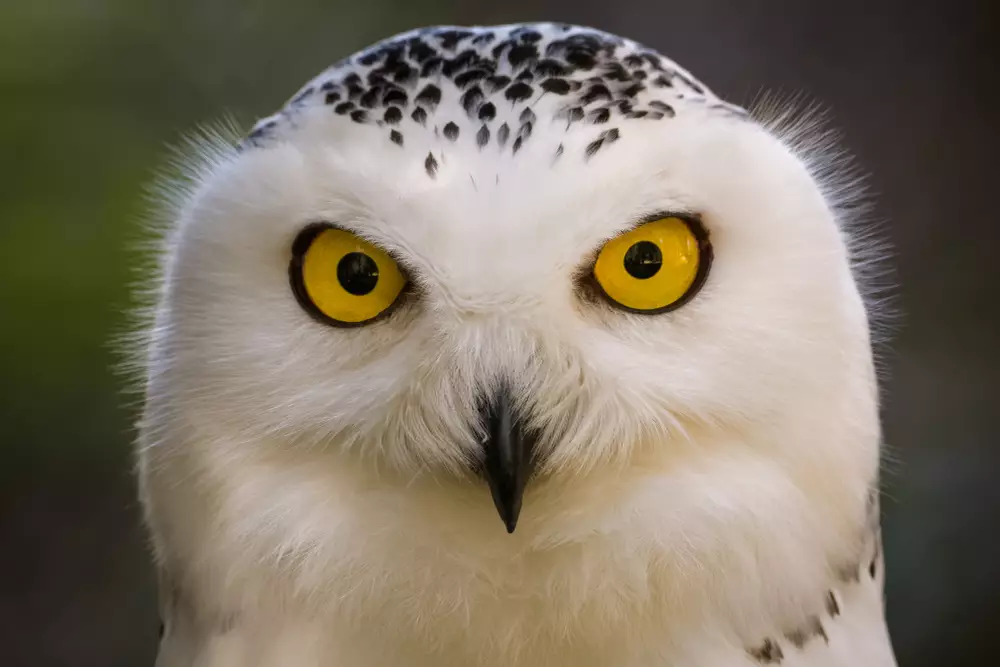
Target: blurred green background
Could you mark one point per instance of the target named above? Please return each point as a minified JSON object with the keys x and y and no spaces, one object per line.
{"x":92,"y":92}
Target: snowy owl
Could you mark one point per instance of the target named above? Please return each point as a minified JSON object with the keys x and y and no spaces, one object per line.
{"x":533,"y":270}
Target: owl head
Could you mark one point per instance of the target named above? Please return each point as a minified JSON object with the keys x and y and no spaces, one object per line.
{"x":514,"y":258}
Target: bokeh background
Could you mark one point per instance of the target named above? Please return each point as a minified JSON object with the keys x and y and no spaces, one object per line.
{"x":92,"y":92}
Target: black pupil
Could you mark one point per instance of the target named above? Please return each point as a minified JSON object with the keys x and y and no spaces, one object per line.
{"x":643,"y":260}
{"x":357,"y":273}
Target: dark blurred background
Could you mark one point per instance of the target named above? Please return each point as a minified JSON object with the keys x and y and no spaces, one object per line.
{"x":91,"y":92}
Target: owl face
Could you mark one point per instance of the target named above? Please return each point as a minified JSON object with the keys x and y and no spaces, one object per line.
{"x":394,"y":291}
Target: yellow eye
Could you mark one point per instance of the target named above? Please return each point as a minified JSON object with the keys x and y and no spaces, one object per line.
{"x":655,"y":267}
{"x":342,"y":279}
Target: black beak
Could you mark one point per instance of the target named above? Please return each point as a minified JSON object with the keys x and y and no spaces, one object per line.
{"x":507,"y":464}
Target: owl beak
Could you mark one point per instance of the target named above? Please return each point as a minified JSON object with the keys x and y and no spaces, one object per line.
{"x":508,"y":452}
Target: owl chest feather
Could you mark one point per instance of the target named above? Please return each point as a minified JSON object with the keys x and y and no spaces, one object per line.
{"x":312,"y":569}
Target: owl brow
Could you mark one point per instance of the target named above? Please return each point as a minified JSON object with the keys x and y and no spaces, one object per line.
{"x":405,"y":266}
{"x":692,"y":219}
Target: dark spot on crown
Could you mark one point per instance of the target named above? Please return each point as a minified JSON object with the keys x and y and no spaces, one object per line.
{"x":395,"y":96}
{"x":430,"y":95}
{"x":370,"y":99}
{"x":596,"y":92}
{"x":419,"y":50}
{"x":419,"y":115}
{"x":332,"y":97}
{"x":430,"y":66}
{"x":430,"y":165}
{"x":662,"y":82}
{"x":402,"y":72}
{"x":352,"y":79}
{"x":392,"y":115}
{"x":633,"y":90}
{"x":527,"y":116}
{"x":768,"y":653}
{"x":526,"y":34}
{"x":607,"y":137}
{"x":451,"y":38}
{"x":458,"y":63}
{"x":585,"y":43}
{"x":549,"y":67}
{"x":359,"y":116}
{"x":580,"y":60}
{"x":525,"y":130}
{"x":526,"y":75}
{"x":500,"y":47}
{"x":503,"y":133}
{"x":487,"y":112}
{"x":470,"y":76}
{"x":396,"y":137}
{"x":483,"y":136}
{"x":451,"y":131}
{"x":522,"y":54}
{"x":516,"y":146}
{"x":518,"y":92}
{"x":376,"y":78}
{"x":471,"y":99}
{"x":343,"y":108}
{"x":483,"y":39}
{"x":557,"y":86}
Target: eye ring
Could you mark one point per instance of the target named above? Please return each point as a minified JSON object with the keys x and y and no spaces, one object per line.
{"x":705,"y":256}
{"x":297,"y":277}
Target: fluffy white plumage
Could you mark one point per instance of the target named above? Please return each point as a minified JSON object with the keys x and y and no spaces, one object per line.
{"x":707,"y":486}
